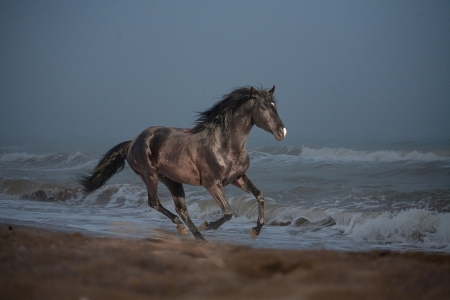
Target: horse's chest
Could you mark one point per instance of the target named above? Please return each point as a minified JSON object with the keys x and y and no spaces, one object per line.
{"x":239,"y":166}
{"x":224,"y":167}
{"x":234,"y":168}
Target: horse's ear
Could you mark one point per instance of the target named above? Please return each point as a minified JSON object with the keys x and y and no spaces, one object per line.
{"x":272,"y":91}
{"x":253,"y":93}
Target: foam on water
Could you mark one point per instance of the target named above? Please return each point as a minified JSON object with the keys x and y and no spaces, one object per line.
{"x":23,"y":157}
{"x":420,"y":228}
{"x":416,"y":227}
{"x":54,"y":161}
{"x":323,"y":197}
{"x":342,"y":154}
{"x":345,"y":155}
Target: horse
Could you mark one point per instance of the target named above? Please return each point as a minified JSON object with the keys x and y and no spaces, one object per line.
{"x":212,"y":154}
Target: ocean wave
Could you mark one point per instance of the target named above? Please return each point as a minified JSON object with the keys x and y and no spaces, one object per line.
{"x":111,"y":195}
{"x":25,"y":157}
{"x":410,"y":226}
{"x":349,"y":155}
{"x":74,"y":160}
{"x":281,"y":155}
{"x":30,"y":190}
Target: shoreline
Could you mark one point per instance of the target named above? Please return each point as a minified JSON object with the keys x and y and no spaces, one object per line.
{"x":41,"y":264}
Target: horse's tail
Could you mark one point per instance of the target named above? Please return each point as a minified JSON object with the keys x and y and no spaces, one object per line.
{"x":111,"y":163}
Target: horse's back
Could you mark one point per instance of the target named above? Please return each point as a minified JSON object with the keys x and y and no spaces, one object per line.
{"x":170,"y":151}
{"x":152,"y":140}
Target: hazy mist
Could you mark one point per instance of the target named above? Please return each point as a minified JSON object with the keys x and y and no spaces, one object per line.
{"x":342,"y":69}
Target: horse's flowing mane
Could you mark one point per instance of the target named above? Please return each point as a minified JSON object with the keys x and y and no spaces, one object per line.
{"x":219,"y":115}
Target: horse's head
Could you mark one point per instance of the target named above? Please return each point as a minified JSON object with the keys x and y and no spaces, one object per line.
{"x":265,"y":115}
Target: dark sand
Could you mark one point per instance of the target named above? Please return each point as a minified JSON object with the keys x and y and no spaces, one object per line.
{"x":40,"y":264}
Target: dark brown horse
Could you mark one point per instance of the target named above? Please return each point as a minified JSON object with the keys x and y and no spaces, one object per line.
{"x":213,"y":154}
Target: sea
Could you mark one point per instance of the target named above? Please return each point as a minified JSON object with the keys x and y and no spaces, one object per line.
{"x":354,"y":196}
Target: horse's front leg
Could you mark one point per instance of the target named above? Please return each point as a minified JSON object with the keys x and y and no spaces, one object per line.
{"x":218,"y":195}
{"x":245,"y":184}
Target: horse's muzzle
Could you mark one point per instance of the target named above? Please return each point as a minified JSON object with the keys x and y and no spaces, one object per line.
{"x":281,"y":133}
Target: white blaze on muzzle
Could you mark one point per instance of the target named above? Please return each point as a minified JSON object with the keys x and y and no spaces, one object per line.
{"x":284,"y":132}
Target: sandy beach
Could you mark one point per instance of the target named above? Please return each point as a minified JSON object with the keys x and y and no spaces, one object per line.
{"x":41,"y":264}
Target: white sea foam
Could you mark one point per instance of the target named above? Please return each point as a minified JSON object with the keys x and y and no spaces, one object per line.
{"x":418,"y":227}
{"x":56,"y":161}
{"x":282,"y":155}
{"x":411,"y":226}
{"x":21,"y":157}
{"x":312,"y":195}
{"x":286,"y":155}
{"x":343,"y":154}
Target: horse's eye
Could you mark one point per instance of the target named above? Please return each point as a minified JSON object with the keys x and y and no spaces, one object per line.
{"x":263,"y":107}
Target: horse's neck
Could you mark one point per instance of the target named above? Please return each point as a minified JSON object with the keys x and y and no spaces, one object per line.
{"x":236,"y":139}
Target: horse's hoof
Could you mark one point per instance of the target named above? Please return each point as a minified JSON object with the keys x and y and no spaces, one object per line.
{"x":181,"y":230}
{"x":204,"y":226}
{"x":253,"y":233}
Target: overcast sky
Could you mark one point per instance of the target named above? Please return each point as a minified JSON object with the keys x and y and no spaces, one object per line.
{"x":342,"y":69}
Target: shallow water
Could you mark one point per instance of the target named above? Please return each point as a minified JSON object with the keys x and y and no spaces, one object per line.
{"x":356,"y":197}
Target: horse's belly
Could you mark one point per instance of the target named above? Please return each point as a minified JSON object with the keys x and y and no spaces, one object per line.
{"x":231,"y":177}
{"x":181,"y":174}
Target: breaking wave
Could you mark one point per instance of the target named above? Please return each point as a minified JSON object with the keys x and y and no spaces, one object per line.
{"x":57,"y":160}
{"x":348,"y":155}
{"x":80,"y":160}
{"x":109,"y":195}
{"x":417,"y":227}
{"x":411,"y":226}
{"x":381,"y":212}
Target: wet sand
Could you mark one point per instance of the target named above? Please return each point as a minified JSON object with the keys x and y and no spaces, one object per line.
{"x":41,"y":264}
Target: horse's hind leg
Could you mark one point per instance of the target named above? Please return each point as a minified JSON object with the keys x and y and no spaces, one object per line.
{"x":154,"y":203}
{"x":151,"y":182}
{"x":177,"y":191}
